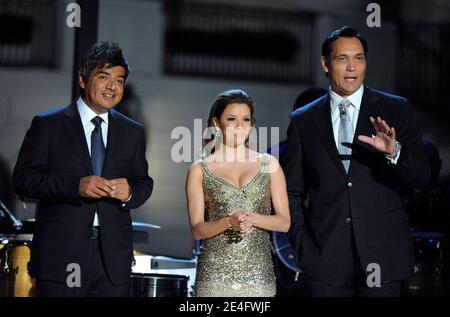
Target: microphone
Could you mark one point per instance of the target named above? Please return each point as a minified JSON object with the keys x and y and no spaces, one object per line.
{"x":17,"y":224}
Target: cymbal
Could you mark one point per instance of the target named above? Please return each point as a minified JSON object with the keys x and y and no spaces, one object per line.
{"x":137,"y":224}
{"x":27,"y":227}
{"x":138,"y":253}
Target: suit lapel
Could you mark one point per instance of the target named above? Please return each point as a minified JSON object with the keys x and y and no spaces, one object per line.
{"x":322,"y":119}
{"x":113,"y":141}
{"x":75,"y":129}
{"x":369,"y":107}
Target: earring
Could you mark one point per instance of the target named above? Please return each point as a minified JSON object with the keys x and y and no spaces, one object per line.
{"x":218,"y":133}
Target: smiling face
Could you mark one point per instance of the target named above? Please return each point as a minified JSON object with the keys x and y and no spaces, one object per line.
{"x":346,"y":65}
{"x":104,"y":88}
{"x":235,"y":124}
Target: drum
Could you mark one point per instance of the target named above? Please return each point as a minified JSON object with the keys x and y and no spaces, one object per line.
{"x":158,"y":285}
{"x":284,"y":251}
{"x":15,"y":280}
{"x":290,"y":279}
{"x":7,"y":229}
{"x":429,"y":264}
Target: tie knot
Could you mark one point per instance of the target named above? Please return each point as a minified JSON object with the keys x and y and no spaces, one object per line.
{"x":97,"y":121}
{"x":343,"y":106}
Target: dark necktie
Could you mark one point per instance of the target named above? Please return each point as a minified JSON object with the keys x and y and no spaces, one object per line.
{"x":97,"y":147}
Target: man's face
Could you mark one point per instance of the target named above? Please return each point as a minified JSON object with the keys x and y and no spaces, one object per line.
{"x":104,"y":88}
{"x":346,"y":65}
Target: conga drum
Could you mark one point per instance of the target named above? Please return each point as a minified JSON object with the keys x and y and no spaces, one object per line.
{"x":158,"y":285}
{"x":15,"y":280}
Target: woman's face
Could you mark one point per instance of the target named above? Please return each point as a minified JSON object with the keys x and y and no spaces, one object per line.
{"x":235,"y":124}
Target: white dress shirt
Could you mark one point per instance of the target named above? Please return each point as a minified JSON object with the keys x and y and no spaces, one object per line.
{"x":86,"y":115}
{"x":353,"y":113}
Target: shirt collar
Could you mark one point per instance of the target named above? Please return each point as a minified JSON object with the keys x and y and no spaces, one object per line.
{"x":354,"y":98}
{"x":87,"y":114}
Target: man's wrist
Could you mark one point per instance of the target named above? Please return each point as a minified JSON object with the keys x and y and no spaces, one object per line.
{"x":393,"y":158}
{"x":124,"y":202}
{"x":395,"y":153}
{"x":129,"y":198}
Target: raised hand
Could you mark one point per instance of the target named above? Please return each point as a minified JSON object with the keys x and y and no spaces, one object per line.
{"x":384,"y":140}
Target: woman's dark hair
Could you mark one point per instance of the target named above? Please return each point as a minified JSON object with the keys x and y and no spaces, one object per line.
{"x":345,"y":31}
{"x":101,"y":55}
{"x":222,"y":101}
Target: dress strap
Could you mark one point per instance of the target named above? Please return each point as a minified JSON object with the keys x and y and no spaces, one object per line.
{"x":265,"y":159}
{"x":203,"y":166}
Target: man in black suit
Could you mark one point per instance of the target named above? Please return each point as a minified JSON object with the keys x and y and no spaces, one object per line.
{"x":349,"y":155}
{"x":86,"y":165}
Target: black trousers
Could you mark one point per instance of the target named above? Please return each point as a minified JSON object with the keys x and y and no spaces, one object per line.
{"x":357,"y":287}
{"x":97,"y":283}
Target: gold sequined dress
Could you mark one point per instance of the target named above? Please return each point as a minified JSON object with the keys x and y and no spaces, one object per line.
{"x":231,"y":267}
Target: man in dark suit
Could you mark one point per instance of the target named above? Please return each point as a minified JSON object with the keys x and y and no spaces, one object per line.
{"x":349,"y":155}
{"x":86,"y":165}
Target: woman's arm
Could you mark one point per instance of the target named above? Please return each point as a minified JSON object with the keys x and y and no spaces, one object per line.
{"x":280,"y":220}
{"x":200,"y":228}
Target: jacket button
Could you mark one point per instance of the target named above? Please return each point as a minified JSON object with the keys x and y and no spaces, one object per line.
{"x":349,"y":185}
{"x":348,"y":220}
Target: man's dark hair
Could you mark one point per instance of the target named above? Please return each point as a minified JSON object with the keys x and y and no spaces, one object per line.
{"x":308,"y":96}
{"x":100,"y":55}
{"x":345,"y":31}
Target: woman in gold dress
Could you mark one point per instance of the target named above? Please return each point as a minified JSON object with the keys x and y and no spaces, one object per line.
{"x":229,"y":195}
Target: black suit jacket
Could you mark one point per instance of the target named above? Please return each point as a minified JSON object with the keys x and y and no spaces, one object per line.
{"x":53,"y":157}
{"x":322,"y":196}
